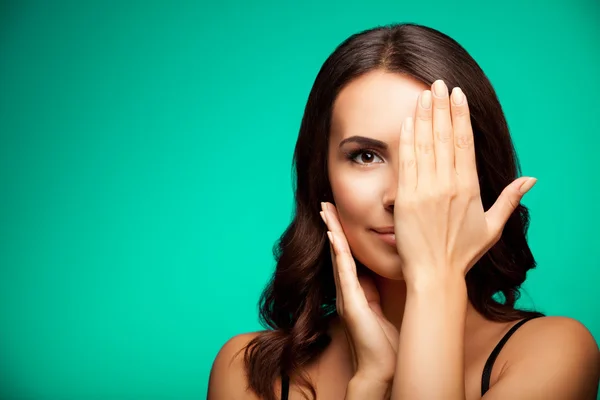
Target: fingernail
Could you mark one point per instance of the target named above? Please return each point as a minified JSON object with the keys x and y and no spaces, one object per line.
{"x":527,"y":185}
{"x":457,"y":96}
{"x":330,"y":236}
{"x":323,"y":206}
{"x":323,"y":216}
{"x":439,"y":88}
{"x":426,"y":99}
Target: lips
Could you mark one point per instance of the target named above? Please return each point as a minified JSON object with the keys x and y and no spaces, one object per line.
{"x":385,"y":229}
{"x":388,"y":238}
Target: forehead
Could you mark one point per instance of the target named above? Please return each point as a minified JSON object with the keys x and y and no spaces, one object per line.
{"x":374,"y":105}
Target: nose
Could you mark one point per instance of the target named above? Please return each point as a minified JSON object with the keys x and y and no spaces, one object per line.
{"x":389,"y":194}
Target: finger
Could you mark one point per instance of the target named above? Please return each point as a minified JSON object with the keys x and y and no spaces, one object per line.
{"x":346,"y":267}
{"x":506,"y":204}
{"x":424,"y":150}
{"x":334,"y":265}
{"x":354,"y":300}
{"x":464,"y":148}
{"x":338,"y":293}
{"x":407,"y":175}
{"x":442,"y":133}
{"x":340,"y":244}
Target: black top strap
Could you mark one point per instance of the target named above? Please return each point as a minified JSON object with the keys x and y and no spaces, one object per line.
{"x":487,"y":370}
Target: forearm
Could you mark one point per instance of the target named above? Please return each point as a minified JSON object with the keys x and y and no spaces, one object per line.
{"x":430,"y":362}
{"x":360,"y":389}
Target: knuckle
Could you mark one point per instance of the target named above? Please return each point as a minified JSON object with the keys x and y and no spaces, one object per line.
{"x":513,"y":202}
{"x":443,"y":136}
{"x":472,"y":191}
{"x":424,"y":115}
{"x":460,"y":111}
{"x":464,"y":141}
{"x":441,"y":104}
{"x":408,"y":164}
{"x":469,"y":189}
{"x":440,"y":196}
{"x":434,"y":197}
{"x":425,"y":148}
{"x":497,"y":236}
{"x":448,"y":190}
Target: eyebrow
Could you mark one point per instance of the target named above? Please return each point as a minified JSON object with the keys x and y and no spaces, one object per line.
{"x":365,"y":141}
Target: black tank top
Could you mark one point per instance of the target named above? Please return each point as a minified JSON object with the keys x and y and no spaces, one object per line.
{"x":487,"y":369}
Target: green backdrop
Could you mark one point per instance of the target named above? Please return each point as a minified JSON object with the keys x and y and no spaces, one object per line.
{"x":146,"y":171}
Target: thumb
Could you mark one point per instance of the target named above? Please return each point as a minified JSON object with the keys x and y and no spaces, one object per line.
{"x":507,"y":202}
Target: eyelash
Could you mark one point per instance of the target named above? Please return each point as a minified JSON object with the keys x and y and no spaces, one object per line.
{"x":353,"y":154}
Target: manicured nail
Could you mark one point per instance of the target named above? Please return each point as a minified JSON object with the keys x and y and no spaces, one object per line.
{"x":527,"y":185}
{"x":439,"y":88}
{"x":426,"y":99}
{"x":457,"y":96}
{"x":323,"y":206}
{"x":323,"y":216}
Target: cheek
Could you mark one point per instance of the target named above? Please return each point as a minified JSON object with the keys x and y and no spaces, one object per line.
{"x":358,"y":200}
{"x":355,"y":199}
{"x":359,"y":204}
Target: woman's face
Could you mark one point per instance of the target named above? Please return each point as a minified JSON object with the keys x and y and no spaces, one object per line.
{"x":364,"y":175}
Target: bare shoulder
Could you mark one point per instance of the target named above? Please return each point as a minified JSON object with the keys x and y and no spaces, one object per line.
{"x":227,"y":376}
{"x":549,"y":357}
{"x":556,"y":336}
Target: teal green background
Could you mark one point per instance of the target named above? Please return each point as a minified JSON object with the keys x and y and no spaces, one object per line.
{"x":145,"y":170}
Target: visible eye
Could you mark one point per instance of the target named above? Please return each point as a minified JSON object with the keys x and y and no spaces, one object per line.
{"x":366,"y":156}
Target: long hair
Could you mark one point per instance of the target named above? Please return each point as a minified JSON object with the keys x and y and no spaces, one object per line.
{"x":299,"y":300}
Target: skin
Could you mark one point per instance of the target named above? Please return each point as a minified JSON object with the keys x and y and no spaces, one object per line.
{"x":406,"y":328}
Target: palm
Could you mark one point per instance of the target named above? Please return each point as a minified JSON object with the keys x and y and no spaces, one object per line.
{"x":385,"y":326}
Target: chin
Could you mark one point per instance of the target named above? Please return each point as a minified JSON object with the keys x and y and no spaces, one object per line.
{"x":376,"y":256}
{"x":391,"y":272}
{"x":385,"y":265}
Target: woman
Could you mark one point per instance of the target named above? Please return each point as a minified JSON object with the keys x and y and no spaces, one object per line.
{"x":398,"y":275}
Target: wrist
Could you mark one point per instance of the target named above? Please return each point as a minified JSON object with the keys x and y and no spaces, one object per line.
{"x":439,"y":282}
{"x":366,"y":387}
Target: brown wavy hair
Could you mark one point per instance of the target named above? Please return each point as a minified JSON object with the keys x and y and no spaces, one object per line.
{"x":299,"y":300}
